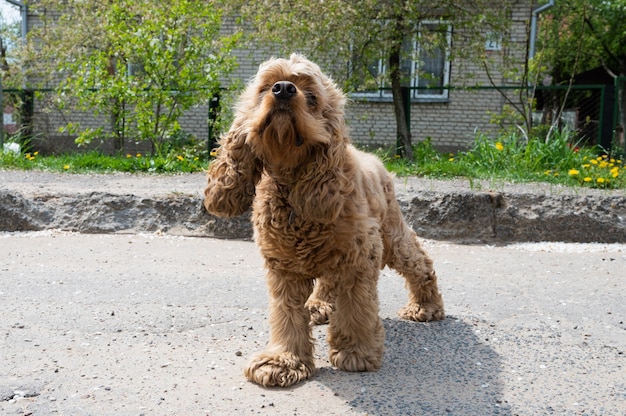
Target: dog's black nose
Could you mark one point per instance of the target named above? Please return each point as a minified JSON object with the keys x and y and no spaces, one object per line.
{"x":284,"y":90}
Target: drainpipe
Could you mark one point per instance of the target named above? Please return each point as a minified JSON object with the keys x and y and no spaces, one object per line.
{"x":533,"y":27}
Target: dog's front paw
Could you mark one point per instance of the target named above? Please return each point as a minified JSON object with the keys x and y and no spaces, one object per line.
{"x":352,"y":361}
{"x":423,"y":312}
{"x":280,"y":370}
{"x":320,"y":311}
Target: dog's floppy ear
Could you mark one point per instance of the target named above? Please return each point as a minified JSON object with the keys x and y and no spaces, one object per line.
{"x":233,"y":175}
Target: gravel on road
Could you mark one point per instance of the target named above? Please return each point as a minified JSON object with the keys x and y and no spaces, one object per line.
{"x":163,"y":325}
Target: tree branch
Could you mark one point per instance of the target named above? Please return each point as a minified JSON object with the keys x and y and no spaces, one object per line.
{"x":605,"y":47}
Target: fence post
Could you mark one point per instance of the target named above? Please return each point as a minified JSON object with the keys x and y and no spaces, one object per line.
{"x":618,"y":127}
{"x":214,"y":104}
{"x":27,"y":113}
{"x":602,"y":137}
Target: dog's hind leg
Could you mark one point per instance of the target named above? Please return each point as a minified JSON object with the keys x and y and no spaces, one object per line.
{"x":408,"y":258}
{"x":288,"y":357}
{"x":321,"y":304}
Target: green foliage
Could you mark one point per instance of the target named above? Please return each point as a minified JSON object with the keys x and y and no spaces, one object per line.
{"x":183,"y":153}
{"x":351,"y":40}
{"x":9,"y":47}
{"x":141,"y":62}
{"x":337,"y":32}
{"x":579,"y":35}
{"x":518,"y":159}
{"x":187,"y":159}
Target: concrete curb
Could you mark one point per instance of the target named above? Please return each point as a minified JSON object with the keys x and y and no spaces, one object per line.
{"x":503,"y":217}
{"x":469,"y":217}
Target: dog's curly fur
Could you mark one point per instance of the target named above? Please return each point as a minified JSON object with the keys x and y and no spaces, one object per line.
{"x":323,"y":212}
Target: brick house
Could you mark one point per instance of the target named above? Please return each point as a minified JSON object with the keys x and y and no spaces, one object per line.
{"x":449,"y":117}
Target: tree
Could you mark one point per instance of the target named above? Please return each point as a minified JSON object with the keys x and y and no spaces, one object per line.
{"x":579,"y":35}
{"x":142,"y":62}
{"x":340,"y":32}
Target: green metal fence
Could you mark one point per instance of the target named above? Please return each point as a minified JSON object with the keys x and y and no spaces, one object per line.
{"x":585,"y":109}
{"x":619,"y":114}
{"x":591,"y":111}
{"x":594,"y":112}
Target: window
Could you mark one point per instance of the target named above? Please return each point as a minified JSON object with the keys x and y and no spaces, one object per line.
{"x":428,"y":66}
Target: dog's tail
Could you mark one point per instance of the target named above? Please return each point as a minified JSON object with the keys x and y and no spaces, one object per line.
{"x":232,"y":176}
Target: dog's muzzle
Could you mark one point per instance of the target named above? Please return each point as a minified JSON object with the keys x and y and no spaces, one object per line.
{"x":284,"y":90}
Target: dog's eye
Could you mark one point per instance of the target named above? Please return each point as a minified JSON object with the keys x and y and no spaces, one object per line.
{"x":311,"y":99}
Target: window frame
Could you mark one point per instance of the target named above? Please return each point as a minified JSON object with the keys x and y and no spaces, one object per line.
{"x":384,"y":93}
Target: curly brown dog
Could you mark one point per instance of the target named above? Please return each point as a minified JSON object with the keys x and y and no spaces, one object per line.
{"x":323,"y":212}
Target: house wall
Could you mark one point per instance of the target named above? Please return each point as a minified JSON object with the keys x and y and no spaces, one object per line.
{"x":451,"y":125}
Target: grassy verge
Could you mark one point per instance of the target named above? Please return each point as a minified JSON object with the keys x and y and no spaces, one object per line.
{"x":509,"y":158}
{"x":94,"y":162}
{"x":513,"y":159}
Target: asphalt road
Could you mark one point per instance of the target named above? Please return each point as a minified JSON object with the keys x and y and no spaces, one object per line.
{"x":161,"y":325}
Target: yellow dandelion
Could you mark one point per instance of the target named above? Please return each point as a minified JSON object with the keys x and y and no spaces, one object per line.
{"x":451,"y":159}
{"x":138,"y":155}
{"x":586,"y":165}
{"x":499,"y":146}
{"x":573,"y":172}
{"x":594,"y":162}
{"x":35,"y":154}
{"x":196,"y":158}
{"x":66,"y":167}
{"x":600,"y":180}
{"x":556,"y":173}
{"x":587,"y":179}
{"x":615,"y":172}
{"x":128,"y":155}
{"x":548,"y":172}
{"x":612,"y":160}
{"x":179,"y":157}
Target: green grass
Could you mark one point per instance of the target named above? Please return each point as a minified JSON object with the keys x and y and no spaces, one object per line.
{"x":514,"y":159}
{"x":509,"y":158}
{"x":94,"y":162}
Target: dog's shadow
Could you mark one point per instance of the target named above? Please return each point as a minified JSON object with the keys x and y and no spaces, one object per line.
{"x":428,"y":369}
